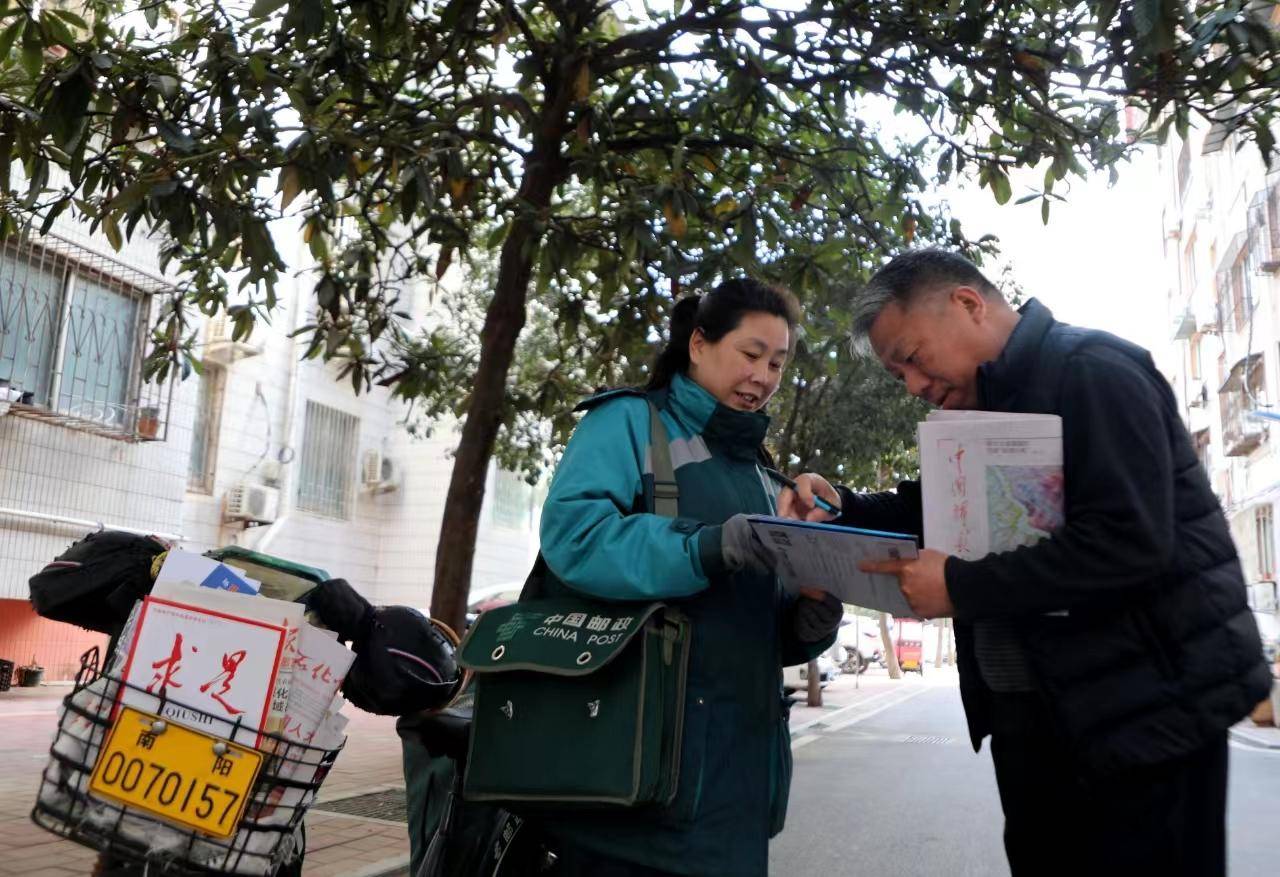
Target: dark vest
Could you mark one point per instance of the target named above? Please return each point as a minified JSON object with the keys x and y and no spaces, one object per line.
{"x":1175,"y":664}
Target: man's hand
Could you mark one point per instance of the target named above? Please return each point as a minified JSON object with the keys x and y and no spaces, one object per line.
{"x":798,"y":504}
{"x":923,"y":582}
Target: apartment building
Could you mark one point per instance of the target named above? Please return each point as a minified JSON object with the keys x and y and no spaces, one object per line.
{"x":258,"y":449}
{"x":1222,"y":259}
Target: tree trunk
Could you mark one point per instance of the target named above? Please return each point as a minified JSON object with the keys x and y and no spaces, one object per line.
{"x":941,"y":626}
{"x":890,"y":653}
{"x":815,"y":684}
{"x":505,"y":317}
{"x":951,"y":643}
{"x":788,"y":434}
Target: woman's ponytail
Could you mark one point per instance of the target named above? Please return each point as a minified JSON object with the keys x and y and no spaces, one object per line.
{"x":674,"y":358}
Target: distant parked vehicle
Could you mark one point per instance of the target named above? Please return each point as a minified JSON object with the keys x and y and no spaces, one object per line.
{"x":908,"y":644}
{"x":797,"y":678}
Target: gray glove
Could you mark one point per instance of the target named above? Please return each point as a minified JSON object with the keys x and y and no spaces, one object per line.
{"x":742,"y":549}
{"x":817,"y":619}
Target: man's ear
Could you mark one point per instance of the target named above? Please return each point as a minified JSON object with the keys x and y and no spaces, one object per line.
{"x":973,"y":302}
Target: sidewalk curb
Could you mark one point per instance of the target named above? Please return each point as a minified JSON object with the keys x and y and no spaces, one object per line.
{"x":385,"y":868}
{"x":824,"y":724}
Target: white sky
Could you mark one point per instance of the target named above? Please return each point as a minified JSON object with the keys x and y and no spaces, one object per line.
{"x":1098,"y":263}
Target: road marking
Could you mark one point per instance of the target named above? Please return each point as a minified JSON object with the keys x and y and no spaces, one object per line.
{"x":903,"y":697}
{"x":825,"y":720}
{"x":824,"y":725}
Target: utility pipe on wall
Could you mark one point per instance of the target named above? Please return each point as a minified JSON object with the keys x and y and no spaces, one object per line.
{"x":82,"y":522}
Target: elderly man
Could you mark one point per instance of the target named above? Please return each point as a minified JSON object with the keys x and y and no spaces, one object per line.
{"x":1107,"y":661}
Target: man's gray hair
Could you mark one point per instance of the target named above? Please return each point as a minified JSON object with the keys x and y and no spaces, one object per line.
{"x":905,"y":279}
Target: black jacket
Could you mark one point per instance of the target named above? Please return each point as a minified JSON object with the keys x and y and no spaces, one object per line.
{"x":1158,"y":651}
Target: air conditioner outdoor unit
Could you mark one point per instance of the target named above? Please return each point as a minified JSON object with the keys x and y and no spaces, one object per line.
{"x":219,"y":346}
{"x":379,"y":474}
{"x":255,"y":503}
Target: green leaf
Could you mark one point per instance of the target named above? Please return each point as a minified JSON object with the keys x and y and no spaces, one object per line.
{"x":496,"y":237}
{"x":32,"y":51}
{"x":10,"y":35}
{"x":112,"y":230}
{"x":70,"y":18}
{"x":1044,"y":211}
{"x":1000,"y":186}
{"x":152,"y":13}
{"x":290,"y":185}
{"x":174,"y":137}
{"x":64,"y":116}
{"x":258,"y":68}
{"x":263,"y":8}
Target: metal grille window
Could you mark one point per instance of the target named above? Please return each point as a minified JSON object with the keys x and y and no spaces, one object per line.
{"x":327,"y":468}
{"x":1264,"y":529}
{"x":99,"y":354}
{"x":204,"y":431}
{"x":71,"y":343}
{"x":512,"y":501}
{"x":30,"y":311}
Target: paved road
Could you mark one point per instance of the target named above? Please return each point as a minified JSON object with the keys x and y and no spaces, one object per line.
{"x":900,"y":792}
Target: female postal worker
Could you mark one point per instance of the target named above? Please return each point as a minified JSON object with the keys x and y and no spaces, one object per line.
{"x":724,"y":360}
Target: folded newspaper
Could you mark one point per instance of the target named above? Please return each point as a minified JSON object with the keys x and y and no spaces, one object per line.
{"x":990,"y":481}
{"x":826,"y":557}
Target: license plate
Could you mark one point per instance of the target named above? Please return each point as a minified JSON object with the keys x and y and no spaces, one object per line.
{"x":176,"y":774}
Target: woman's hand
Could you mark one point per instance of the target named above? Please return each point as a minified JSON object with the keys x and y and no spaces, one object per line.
{"x":798,"y":504}
{"x":818,"y":614}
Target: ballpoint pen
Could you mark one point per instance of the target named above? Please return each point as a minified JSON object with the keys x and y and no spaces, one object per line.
{"x":818,"y":501}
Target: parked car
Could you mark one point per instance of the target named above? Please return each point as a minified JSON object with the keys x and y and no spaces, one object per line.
{"x":859,"y":646}
{"x":491,"y":597}
{"x":796,"y":678}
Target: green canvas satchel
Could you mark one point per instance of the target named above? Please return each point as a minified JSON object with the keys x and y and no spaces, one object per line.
{"x":580,"y":702}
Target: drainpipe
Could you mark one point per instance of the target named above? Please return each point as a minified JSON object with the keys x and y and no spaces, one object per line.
{"x":83,"y":522}
{"x":288,"y":445}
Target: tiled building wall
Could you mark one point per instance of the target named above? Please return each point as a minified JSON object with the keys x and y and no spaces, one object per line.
{"x":386,"y":547}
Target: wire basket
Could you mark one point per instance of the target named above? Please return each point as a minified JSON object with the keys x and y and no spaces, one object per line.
{"x":268,"y":834}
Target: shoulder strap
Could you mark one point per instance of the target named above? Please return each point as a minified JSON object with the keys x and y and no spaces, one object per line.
{"x":666,"y":493}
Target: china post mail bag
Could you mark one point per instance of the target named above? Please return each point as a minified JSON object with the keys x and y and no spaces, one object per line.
{"x":580,"y":702}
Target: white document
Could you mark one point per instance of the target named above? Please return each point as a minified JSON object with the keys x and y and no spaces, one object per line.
{"x":281,"y":612}
{"x":222,"y":665}
{"x":196,"y":569}
{"x":990,"y":481}
{"x":826,"y":556}
{"x":319,"y":667}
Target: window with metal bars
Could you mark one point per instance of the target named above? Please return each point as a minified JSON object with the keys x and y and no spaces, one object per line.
{"x":205,"y":429}
{"x":512,"y":501}
{"x":71,"y":343}
{"x":327,"y":465}
{"x":1264,"y":530}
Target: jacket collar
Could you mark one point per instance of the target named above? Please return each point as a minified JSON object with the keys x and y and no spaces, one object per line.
{"x":1000,"y":380}
{"x":738,"y":433}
